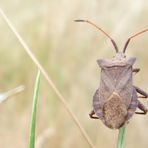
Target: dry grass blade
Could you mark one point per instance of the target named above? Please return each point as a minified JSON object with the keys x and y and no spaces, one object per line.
{"x":4,"y":96}
{"x":46,"y":134}
{"x":51,"y":84}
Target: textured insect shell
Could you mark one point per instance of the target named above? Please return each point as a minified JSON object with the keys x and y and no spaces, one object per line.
{"x":115,"y":91}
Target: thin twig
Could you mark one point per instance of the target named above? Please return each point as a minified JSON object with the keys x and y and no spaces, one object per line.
{"x":46,"y":76}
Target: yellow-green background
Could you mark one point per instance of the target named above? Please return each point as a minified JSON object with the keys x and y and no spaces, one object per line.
{"x":68,"y":51}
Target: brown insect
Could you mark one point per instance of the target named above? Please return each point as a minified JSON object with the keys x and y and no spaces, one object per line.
{"x":116,"y":99}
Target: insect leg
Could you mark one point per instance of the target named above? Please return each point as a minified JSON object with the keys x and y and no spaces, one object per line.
{"x":136,"y":70}
{"x":91,"y":115}
{"x":133,"y":105}
{"x":142,"y":107}
{"x":140,"y":91}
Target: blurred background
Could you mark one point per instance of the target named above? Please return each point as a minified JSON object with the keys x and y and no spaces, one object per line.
{"x":68,"y":51}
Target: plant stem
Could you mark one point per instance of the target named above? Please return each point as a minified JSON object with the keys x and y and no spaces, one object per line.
{"x":33,"y":114}
{"x":48,"y":79}
{"x":121,"y":137}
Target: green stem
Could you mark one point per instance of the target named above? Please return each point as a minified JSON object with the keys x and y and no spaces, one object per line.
{"x":121,"y":137}
{"x":33,"y":114}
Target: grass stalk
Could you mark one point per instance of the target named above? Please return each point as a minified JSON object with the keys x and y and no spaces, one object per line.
{"x":48,"y":79}
{"x":5,"y":95}
{"x":33,"y":114}
{"x":121,"y":137}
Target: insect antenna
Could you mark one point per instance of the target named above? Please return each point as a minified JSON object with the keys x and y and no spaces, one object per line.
{"x":127,"y":42}
{"x":89,"y":22}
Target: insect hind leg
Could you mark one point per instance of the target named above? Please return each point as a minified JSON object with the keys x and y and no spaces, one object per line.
{"x":142,"y":92}
{"x":143,"y":108}
{"x":133,"y":105}
{"x":91,"y":115}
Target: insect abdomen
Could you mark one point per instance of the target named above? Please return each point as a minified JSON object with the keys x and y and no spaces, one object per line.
{"x":114,"y":111}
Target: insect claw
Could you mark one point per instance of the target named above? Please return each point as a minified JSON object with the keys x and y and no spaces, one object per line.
{"x":91,"y":115}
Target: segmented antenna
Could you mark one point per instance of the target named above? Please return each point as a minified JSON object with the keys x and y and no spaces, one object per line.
{"x":89,"y":22}
{"x":127,"y":42}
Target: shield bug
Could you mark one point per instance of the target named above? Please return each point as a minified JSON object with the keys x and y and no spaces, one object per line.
{"x":116,"y":99}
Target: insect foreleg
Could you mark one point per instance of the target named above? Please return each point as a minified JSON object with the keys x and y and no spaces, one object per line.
{"x":142,"y":107}
{"x":142,"y":92}
{"x":136,"y":70}
{"x":91,"y":115}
